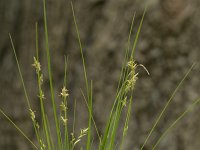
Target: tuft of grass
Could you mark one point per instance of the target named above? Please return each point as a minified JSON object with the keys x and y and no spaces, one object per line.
{"x":66,"y":139}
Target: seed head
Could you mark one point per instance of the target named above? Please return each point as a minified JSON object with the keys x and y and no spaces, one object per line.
{"x":32,"y":114}
{"x":132,"y":65}
{"x":63,"y":107}
{"x":43,"y":146}
{"x":73,"y":138}
{"x":37,"y":125}
{"x":41,"y":96}
{"x":41,"y":79}
{"x":83,"y":132}
{"x":64,"y":92}
{"x":37,"y":65}
{"x":132,"y":76}
{"x":124,"y":101}
{"x":64,"y":120}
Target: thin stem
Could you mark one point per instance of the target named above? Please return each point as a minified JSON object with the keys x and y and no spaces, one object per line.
{"x":50,"y":76}
{"x":81,"y":51}
{"x":20,"y":73}
{"x":167,"y":104}
{"x":175,"y":122}
{"x":95,"y":126}
{"x":18,"y":129}
{"x":137,"y":35}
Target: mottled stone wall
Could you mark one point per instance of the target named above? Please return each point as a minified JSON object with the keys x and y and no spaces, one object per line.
{"x":168,"y":45}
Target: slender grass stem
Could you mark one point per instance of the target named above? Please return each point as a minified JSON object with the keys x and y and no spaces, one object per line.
{"x":88,"y":146}
{"x":47,"y":136}
{"x":175,"y":122}
{"x":50,"y":76}
{"x":81,"y":50}
{"x":126,"y":121}
{"x":20,"y":73}
{"x":66,"y":134}
{"x":23,"y":84}
{"x":166,"y":105}
{"x":18,"y":129}
{"x":74,"y":124}
{"x":115,"y":126}
{"x":49,"y":133}
{"x":122,"y":74}
{"x":95,"y":126}
{"x":137,"y":35}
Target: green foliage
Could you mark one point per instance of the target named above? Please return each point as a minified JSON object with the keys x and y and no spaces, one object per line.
{"x":123,"y":101}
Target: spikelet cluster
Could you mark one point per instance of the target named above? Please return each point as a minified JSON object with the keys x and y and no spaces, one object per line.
{"x":37,"y":67}
{"x":132,"y":76}
{"x":63,"y":106}
{"x":42,"y":145}
{"x":32,"y":114}
{"x":74,"y":141}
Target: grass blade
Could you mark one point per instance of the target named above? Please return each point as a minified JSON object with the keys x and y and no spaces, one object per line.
{"x":18,"y":129}
{"x":123,"y":70}
{"x":66,"y":134}
{"x":175,"y":122}
{"x":127,"y":121}
{"x":89,"y":120}
{"x":20,"y":73}
{"x":50,"y":76}
{"x":81,"y":50}
{"x":39,"y":75}
{"x":167,"y":104}
{"x":137,"y":35}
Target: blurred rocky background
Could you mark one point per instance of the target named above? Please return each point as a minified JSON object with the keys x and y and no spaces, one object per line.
{"x":168,"y":45}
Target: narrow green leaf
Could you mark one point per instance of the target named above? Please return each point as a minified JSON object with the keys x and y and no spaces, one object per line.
{"x":20,"y":73}
{"x":18,"y":129}
{"x":167,"y":104}
{"x":50,"y":76}
{"x":176,"y":121}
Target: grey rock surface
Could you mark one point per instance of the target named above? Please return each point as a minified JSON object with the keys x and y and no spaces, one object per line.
{"x":168,"y":46}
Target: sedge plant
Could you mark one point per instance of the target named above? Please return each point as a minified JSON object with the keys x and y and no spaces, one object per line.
{"x":66,"y":140}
